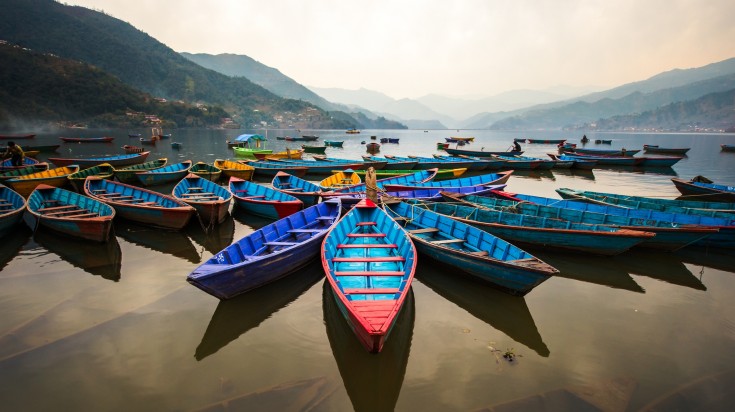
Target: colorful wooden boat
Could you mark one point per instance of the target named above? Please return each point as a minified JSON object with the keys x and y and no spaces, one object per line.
{"x":441,"y":174}
{"x":441,"y":146}
{"x":605,"y":160}
{"x":12,"y":205}
{"x":546,"y":141}
{"x":668,"y":237}
{"x":393,"y":164}
{"x":314,"y":149}
{"x":352,"y":131}
{"x":455,"y":139}
{"x":270,"y":169}
{"x":104,"y":171}
{"x":482,"y":153}
{"x":603,"y":141}
{"x":116,"y":160}
{"x":206,"y":171}
{"x":132,"y":149}
{"x":296,"y":154}
{"x":22,"y":171}
{"x":480,"y":180}
{"x":525,"y":163}
{"x":650,"y":203}
{"x":700,"y":188}
{"x":542,"y":232}
{"x":727,"y":148}
{"x":211,"y":201}
{"x":235,"y":169}
{"x":127,"y":174}
{"x":649,"y":148}
{"x":165,"y":174}
{"x":53,"y":177}
{"x":263,"y":201}
{"x":16,"y":136}
{"x":340,"y":179}
{"x":69,"y":213}
{"x":370,"y":262}
{"x":577,"y":162}
{"x":268,"y":254}
{"x":140,"y":205}
{"x":471,"y":250}
{"x":723,"y":237}
{"x":105,"y":139}
{"x":316,"y":167}
{"x":372,"y":147}
{"x":301,"y":189}
{"x":334,"y":143}
{"x":419,"y":177}
{"x":364,"y":164}
{"x":606,"y":152}
{"x":7,"y":165}
{"x":249,"y":145}
{"x":422,"y":163}
{"x":475,"y":163}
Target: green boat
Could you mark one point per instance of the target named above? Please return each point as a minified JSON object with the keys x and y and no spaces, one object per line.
{"x":127,"y":174}
{"x":104,"y":171}
{"x":249,"y":145}
{"x":314,"y":149}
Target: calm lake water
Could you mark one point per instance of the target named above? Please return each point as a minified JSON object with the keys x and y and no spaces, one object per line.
{"x":117,"y":327}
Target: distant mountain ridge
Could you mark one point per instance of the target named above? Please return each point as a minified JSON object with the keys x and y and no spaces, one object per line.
{"x":137,"y":59}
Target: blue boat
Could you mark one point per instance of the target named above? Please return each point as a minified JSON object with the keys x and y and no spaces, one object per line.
{"x":166,"y":174}
{"x":668,"y":237}
{"x":334,"y":143}
{"x":69,"y":213}
{"x":606,"y":160}
{"x":301,"y":189}
{"x":526,"y":163}
{"x":578,"y":162}
{"x":482,"y":153}
{"x":267,"y":254}
{"x":365,"y":164}
{"x":476,"y":164}
{"x":7,"y":164}
{"x":370,"y":262}
{"x":481,"y":180}
{"x":115,"y":161}
{"x":542,"y":232}
{"x":723,"y":238}
{"x":12,"y":206}
{"x":313,"y":166}
{"x":606,"y":152}
{"x":428,"y":194}
{"x":415,"y":178}
{"x":541,"y":164}
{"x":471,"y":250}
{"x":393,"y":164}
{"x":425,"y":163}
{"x":701,"y":188}
{"x":211,"y":200}
{"x":263,"y":201}
{"x":140,"y":205}
{"x":687,"y":207}
{"x":270,"y":169}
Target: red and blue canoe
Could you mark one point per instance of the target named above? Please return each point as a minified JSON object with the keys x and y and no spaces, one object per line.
{"x":370,"y":262}
{"x":7,"y":164}
{"x":490,"y":179}
{"x":138,"y":204}
{"x":116,"y":160}
{"x":12,"y":206}
{"x":301,"y":189}
{"x":105,"y":139}
{"x":268,"y":254}
{"x":69,"y":213}
{"x":263,"y":201}
{"x":211,"y":200}
{"x":711,"y":192}
{"x":163,"y":175}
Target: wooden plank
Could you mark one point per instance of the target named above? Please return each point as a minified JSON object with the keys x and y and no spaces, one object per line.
{"x":67,"y":207}
{"x":366,"y":224}
{"x":424,"y":230}
{"x":441,"y":242}
{"x":369,"y":273}
{"x":305,"y":230}
{"x":280,"y":243}
{"x":366,"y":235}
{"x":480,"y":253}
{"x":370,"y":259}
{"x":367,"y":246}
{"x":370,"y":291}
{"x":84,"y":215}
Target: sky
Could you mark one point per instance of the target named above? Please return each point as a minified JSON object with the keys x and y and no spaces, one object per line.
{"x":411,"y":48}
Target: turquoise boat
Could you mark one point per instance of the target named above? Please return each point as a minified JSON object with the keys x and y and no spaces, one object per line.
{"x":166,"y":174}
{"x":540,"y":164}
{"x":12,"y":206}
{"x":668,"y":237}
{"x":369,"y":261}
{"x":542,"y":232}
{"x":415,"y":178}
{"x":127,"y":174}
{"x":481,"y":180}
{"x":263,"y":201}
{"x":687,"y":207}
{"x":211,"y":200}
{"x":703,"y":189}
{"x":514,"y":162}
{"x":476,"y":164}
{"x":334,"y":143}
{"x":301,"y":189}
{"x":471,"y":250}
{"x":393,"y":164}
{"x":312,"y":166}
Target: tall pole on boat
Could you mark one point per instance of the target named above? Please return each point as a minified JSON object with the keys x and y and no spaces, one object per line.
{"x":371,"y":188}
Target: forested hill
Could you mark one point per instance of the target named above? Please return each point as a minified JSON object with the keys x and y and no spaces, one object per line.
{"x":44,"y":87}
{"x":136,"y":58}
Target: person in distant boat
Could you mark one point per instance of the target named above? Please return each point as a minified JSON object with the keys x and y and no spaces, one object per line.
{"x":585,"y":139}
{"x":516,"y":146}
{"x":15,"y":153}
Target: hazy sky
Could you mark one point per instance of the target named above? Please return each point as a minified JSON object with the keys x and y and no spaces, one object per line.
{"x":410,"y":48}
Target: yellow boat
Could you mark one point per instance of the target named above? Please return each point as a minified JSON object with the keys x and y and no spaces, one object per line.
{"x":235,"y":169}
{"x":340,"y":179}
{"x":53,"y":177}
{"x":288,"y":154}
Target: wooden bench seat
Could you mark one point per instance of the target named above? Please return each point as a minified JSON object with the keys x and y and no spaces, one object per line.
{"x":85,"y":215}
{"x":366,"y":235}
{"x":55,"y":208}
{"x":369,"y":273}
{"x":280,"y":243}
{"x":367,"y":246}
{"x":305,"y":230}
{"x":370,"y":291}
{"x":66,"y":212}
{"x":424,"y":230}
{"x":443,"y":241}
{"x":366,"y":224}
{"x":370,"y":259}
{"x":198,"y":194}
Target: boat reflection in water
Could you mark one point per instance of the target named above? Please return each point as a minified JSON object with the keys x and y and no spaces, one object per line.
{"x":12,"y":243}
{"x":236,"y":316}
{"x":373,"y":381}
{"x":165,"y":241}
{"x":601,"y":270}
{"x":99,"y":259}
{"x":506,"y":313}
{"x":544,"y":174}
{"x":575,"y":173}
{"x":659,"y":265}
{"x":712,"y":258}
{"x":218,"y":238}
